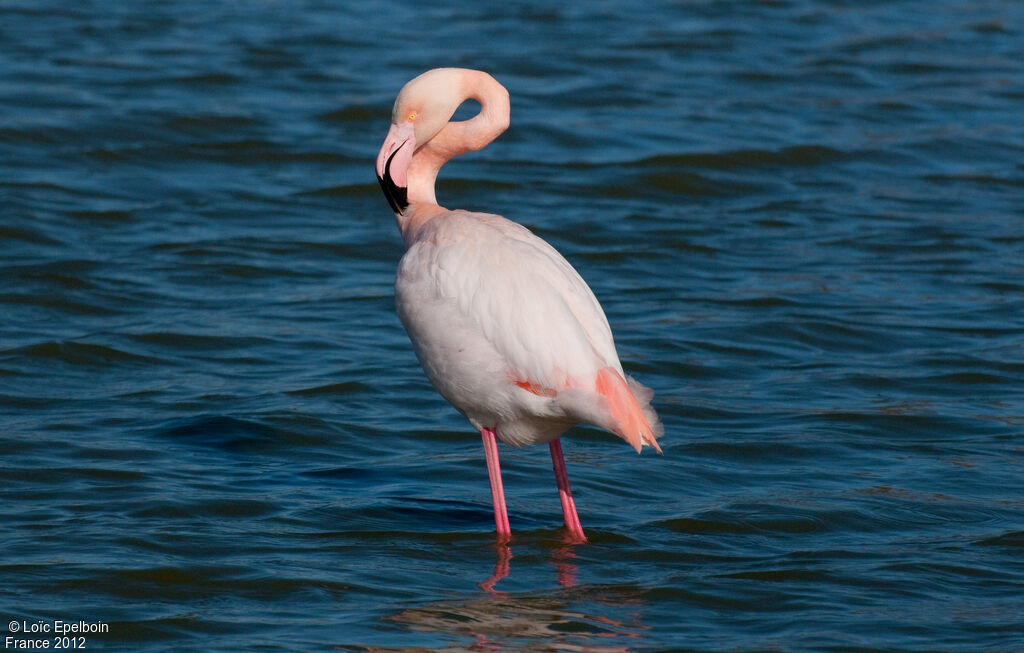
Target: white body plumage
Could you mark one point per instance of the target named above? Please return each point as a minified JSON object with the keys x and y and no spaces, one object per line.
{"x":504,"y":327}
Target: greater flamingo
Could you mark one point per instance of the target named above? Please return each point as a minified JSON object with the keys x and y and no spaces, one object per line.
{"x":504,"y":327}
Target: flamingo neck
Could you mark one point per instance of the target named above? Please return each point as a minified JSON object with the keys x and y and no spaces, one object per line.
{"x":455,"y":138}
{"x":414,"y":217}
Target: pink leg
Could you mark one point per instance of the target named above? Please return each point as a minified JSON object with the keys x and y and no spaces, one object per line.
{"x":572,"y":520}
{"x":497,"y":490}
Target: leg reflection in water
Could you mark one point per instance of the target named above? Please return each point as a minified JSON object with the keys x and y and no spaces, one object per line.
{"x":562,"y":557}
{"x":534,"y":614}
{"x":501,"y":568}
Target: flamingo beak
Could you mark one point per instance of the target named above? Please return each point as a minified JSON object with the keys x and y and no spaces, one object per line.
{"x":393,"y":162}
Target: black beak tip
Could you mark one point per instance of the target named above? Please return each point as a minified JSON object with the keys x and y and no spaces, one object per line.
{"x":397,"y":196}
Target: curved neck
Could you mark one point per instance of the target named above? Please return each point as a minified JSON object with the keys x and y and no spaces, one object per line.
{"x":456,"y":138}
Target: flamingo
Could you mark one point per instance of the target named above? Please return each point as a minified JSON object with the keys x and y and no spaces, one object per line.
{"x":503,"y":326}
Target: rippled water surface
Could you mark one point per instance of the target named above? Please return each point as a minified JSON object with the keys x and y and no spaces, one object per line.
{"x":805,"y":221}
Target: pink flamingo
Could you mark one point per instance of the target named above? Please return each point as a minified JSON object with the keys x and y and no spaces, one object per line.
{"x":504,"y":327}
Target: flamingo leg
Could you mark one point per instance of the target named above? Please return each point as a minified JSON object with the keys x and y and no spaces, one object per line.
{"x":497,"y":489}
{"x":572,"y":520}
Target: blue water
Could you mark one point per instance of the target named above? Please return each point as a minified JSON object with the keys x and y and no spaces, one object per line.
{"x":803,"y":219}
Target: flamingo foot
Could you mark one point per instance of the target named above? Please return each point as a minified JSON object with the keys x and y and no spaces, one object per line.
{"x":497,"y":489}
{"x":572,"y":520}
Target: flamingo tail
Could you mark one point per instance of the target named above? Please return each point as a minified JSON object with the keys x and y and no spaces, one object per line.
{"x":633,"y":419}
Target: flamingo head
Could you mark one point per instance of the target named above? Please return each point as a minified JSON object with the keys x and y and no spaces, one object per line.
{"x":424,"y":106}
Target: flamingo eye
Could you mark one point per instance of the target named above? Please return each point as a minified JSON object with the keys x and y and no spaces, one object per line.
{"x":412,"y":116}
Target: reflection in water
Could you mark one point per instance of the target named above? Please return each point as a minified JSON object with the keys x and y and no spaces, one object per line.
{"x":532,"y":621}
{"x":569,"y":619}
{"x":501,"y":568}
{"x":561,"y":557}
